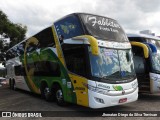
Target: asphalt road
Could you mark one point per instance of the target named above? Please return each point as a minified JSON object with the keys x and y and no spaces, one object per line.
{"x":24,"y":101}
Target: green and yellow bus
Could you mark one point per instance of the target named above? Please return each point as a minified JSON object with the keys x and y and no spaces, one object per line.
{"x":82,"y":58}
{"x":146,"y":50}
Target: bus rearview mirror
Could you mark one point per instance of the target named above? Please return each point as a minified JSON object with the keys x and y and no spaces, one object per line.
{"x":93,"y":42}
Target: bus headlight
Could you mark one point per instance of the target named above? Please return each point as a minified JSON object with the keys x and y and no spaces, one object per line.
{"x":99,"y":100}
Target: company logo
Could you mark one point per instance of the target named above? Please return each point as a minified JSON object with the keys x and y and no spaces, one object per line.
{"x":21,"y":114}
{"x":118,"y":87}
{"x":6,"y":114}
{"x":103,"y":22}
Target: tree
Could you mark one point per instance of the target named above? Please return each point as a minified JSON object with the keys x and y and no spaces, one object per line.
{"x":11,"y":31}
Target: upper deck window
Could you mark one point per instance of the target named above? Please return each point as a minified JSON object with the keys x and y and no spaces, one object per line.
{"x":103,"y":28}
{"x":69,"y":27}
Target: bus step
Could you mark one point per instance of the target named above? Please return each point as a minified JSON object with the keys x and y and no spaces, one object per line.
{"x":145,"y":83}
{"x":143,"y":91}
{"x":144,"y":88}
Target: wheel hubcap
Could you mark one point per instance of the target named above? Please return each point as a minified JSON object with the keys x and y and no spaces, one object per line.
{"x":46,"y":91}
{"x":59,"y":95}
{"x":14,"y":86}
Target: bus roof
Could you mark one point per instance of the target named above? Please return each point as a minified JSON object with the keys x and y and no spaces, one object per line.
{"x":54,"y":22}
{"x":78,"y":13}
{"x":142,"y":35}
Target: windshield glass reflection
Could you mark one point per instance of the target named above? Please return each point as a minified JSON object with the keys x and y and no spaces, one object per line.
{"x":111,"y":64}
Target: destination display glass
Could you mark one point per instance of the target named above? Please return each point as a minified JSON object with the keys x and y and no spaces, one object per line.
{"x":103,"y":28}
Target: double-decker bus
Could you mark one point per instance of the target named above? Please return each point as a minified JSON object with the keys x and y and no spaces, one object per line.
{"x":147,"y":67}
{"x":82,"y":58}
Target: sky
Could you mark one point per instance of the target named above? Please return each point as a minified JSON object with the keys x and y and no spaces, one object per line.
{"x":133,"y":15}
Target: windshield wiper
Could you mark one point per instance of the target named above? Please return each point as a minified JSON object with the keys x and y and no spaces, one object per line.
{"x":116,"y":74}
{"x":104,"y":77}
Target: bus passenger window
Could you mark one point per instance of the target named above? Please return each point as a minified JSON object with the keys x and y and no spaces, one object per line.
{"x":17,"y":70}
{"x":53,"y":69}
{"x":45,"y":38}
{"x":75,"y":59}
{"x":47,"y":68}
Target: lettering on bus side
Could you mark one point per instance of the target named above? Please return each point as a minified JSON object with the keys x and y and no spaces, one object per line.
{"x":80,"y":88}
{"x":103,"y":86}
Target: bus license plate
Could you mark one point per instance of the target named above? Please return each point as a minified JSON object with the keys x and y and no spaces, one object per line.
{"x":123,"y":100}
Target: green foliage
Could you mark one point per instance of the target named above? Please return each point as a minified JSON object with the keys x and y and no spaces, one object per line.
{"x":12,"y":31}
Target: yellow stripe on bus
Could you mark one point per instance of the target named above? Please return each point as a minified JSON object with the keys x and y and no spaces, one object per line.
{"x":93,"y":42}
{"x":80,"y":90}
{"x":58,"y":47}
{"x":31,"y":71}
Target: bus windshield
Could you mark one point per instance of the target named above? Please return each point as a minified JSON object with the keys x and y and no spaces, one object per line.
{"x":112,"y":64}
{"x":103,"y":28}
{"x":156,"y":61}
{"x":155,"y":56}
{"x":154,"y":42}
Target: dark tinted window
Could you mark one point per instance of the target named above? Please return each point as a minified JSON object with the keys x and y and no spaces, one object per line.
{"x":45,"y":68}
{"x":137,"y":39}
{"x":20,"y":70}
{"x":69,"y":27}
{"x":45,"y":38}
{"x":20,"y":48}
{"x":75,"y":58}
{"x":17,"y":70}
{"x":103,"y":28}
{"x":9,"y":55}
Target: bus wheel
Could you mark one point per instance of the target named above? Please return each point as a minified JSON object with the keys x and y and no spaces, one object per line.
{"x":59,"y":97}
{"x":10,"y":84}
{"x":46,"y":93}
{"x":13,"y":85}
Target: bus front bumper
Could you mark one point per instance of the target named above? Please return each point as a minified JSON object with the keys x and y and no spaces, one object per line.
{"x":97,"y":100}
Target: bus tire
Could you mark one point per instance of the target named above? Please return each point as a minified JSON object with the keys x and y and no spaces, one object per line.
{"x":13,"y":84}
{"x":45,"y":93}
{"x":59,"y":96}
{"x":10,"y":84}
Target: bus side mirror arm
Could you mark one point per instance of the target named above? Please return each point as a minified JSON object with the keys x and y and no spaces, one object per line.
{"x":145,"y":48}
{"x":93,"y":42}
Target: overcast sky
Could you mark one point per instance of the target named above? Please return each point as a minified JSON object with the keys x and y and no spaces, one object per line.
{"x":133,"y":15}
